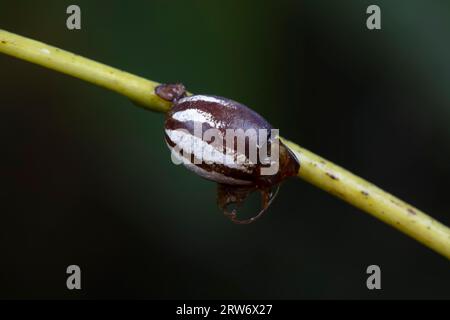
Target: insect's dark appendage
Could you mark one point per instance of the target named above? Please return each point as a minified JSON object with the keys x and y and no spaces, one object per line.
{"x":227,"y":195}
{"x":171,"y":92}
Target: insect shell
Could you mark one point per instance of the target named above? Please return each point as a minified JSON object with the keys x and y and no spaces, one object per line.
{"x":236,"y":179}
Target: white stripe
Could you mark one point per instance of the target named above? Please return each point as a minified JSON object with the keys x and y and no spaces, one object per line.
{"x":200,"y":97}
{"x":197,"y":116}
{"x":190,"y":144}
{"x":210,"y":175}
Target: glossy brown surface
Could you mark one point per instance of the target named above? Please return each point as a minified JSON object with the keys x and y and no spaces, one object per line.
{"x":235,"y":181}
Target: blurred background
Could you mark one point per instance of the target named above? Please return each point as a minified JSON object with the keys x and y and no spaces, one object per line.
{"x":86,"y":178}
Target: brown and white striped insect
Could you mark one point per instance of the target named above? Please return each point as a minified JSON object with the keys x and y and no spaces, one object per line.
{"x":213,"y":157}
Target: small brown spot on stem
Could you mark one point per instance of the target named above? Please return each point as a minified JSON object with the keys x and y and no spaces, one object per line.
{"x":332,"y":176}
{"x":365,"y":193}
{"x":3,"y":41}
{"x":411,"y":211}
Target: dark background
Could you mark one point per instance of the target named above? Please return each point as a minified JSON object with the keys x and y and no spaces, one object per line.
{"x":86,"y":178}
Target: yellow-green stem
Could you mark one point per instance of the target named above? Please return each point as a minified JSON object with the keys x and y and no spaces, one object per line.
{"x":314,"y":169}
{"x":136,"y":88}
{"x":371,"y":199}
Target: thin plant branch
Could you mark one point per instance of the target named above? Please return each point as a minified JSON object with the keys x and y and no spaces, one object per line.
{"x":314,"y":169}
{"x":371,"y":199}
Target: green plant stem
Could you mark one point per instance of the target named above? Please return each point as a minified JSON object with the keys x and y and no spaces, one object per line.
{"x":371,"y":199}
{"x":314,"y":169}
{"x":138,"y":89}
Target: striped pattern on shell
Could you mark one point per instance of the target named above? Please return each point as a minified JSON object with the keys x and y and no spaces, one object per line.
{"x":206,"y":112}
